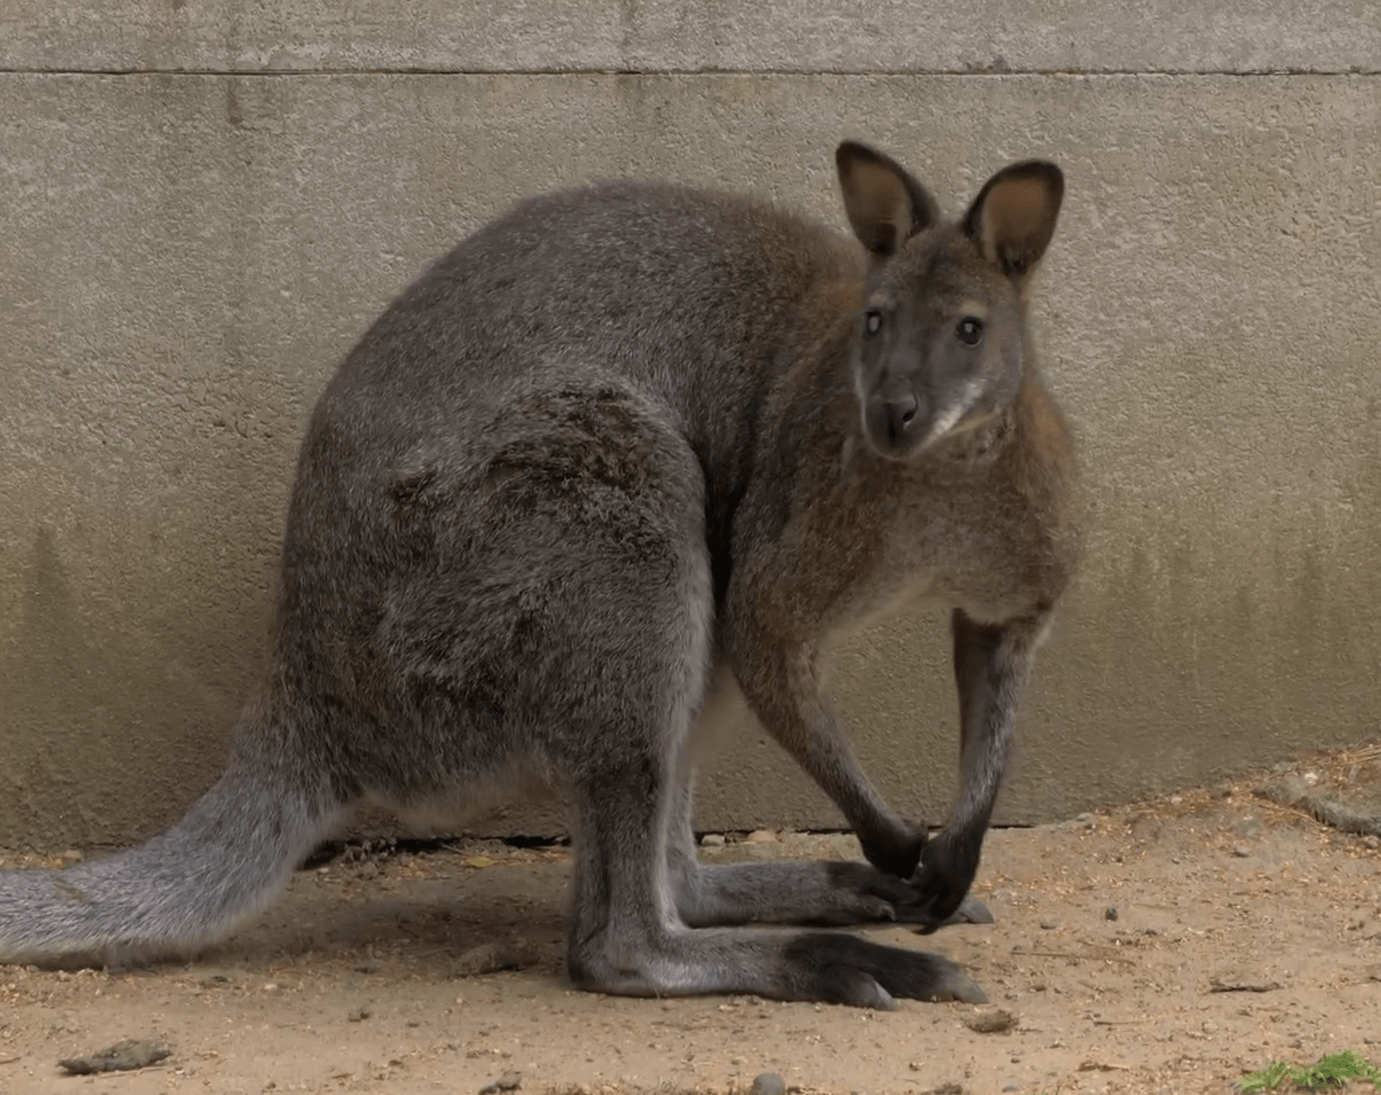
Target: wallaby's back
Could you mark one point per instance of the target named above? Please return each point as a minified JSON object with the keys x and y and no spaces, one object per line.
{"x":693,"y":306}
{"x":686,"y":294}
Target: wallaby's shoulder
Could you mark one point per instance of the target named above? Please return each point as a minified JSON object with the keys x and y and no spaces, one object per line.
{"x":1046,"y":469}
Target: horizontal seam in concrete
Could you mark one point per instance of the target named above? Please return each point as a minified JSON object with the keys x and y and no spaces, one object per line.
{"x":863,"y":73}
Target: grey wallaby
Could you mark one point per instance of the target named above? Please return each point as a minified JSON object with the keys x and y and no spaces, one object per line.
{"x":627,"y":451}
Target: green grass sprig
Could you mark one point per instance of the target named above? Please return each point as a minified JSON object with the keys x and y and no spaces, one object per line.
{"x":1331,"y":1070}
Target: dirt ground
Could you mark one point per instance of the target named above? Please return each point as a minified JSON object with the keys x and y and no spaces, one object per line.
{"x":1165,"y":946}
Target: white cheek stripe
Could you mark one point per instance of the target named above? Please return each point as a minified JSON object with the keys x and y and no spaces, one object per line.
{"x":953,"y":413}
{"x":862,"y":402}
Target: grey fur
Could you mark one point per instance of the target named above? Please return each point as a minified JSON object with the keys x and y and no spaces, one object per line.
{"x":624,"y":442}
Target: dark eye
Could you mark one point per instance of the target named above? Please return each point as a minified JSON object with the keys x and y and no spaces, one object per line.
{"x":872,"y":322}
{"x":970,"y":331}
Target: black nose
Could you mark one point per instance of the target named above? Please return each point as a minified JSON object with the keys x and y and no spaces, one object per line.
{"x":901,"y":413}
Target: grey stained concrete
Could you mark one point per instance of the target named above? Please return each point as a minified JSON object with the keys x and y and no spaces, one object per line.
{"x":805,"y":36}
{"x":186,"y":257}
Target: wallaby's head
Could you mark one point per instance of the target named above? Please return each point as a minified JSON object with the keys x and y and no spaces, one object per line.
{"x":939,"y":347}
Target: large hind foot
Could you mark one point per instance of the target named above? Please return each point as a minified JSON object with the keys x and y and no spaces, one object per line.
{"x":825,"y":967}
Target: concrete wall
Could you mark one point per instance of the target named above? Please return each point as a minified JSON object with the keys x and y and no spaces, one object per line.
{"x":203,"y":204}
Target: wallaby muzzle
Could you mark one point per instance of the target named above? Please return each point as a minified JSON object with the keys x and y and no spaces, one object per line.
{"x":892,"y":421}
{"x":900,"y":423}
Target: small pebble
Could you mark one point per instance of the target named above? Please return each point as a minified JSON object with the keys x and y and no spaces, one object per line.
{"x":1241,"y":852}
{"x":359,"y":1015}
{"x":1050,"y":925}
{"x":768,"y":1083}
{"x":712,"y":840}
{"x":490,"y":958}
{"x":991,"y":1022}
{"x":122,"y":1057}
{"x":1110,"y":913}
{"x":1372,"y":841}
{"x":761,"y":836}
{"x":1209,"y":1027}
{"x":509,"y":1081}
{"x":1234,"y":980}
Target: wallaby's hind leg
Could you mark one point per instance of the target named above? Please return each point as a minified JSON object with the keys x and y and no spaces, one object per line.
{"x":625,"y":935}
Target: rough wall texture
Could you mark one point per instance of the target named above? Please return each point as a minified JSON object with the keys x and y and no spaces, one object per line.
{"x":203,"y":204}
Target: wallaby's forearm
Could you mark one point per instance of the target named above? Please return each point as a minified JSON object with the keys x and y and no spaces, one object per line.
{"x":780,"y":681}
{"x":991,"y":665}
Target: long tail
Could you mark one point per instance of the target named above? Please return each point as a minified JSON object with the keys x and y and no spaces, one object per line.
{"x":227,"y":858}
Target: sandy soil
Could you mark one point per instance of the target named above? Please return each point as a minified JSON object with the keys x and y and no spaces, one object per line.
{"x":1166,"y":946}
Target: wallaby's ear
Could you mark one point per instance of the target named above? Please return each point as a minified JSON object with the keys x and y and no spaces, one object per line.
{"x":886,"y":206}
{"x":1014,"y":215}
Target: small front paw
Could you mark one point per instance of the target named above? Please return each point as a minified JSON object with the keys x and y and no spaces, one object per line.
{"x":897,"y":851}
{"x":947,"y":871}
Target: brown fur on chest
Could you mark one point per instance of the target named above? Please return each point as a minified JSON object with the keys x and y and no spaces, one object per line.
{"x":990,"y":524}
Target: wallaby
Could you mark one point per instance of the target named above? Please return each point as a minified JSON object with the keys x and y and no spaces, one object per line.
{"x":628,"y":450}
